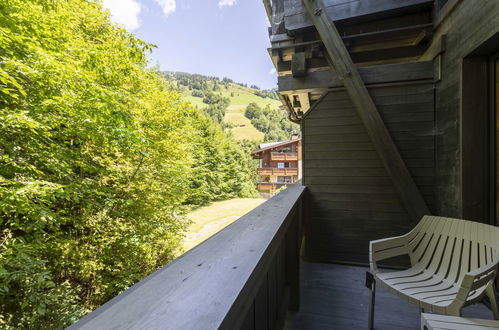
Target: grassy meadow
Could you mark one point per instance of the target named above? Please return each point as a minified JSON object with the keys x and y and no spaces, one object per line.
{"x":208,"y":220}
{"x":239,"y":97}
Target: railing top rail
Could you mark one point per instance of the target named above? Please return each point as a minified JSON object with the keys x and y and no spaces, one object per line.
{"x":208,"y":284}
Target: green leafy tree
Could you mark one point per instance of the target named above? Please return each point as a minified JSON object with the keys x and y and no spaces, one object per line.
{"x":99,"y":161}
{"x":197,"y":93}
{"x":273,"y":122}
{"x":253,"y":110}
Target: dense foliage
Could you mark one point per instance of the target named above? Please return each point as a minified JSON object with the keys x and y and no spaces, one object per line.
{"x":217,"y":106}
{"x":273,"y":122}
{"x":223,"y":168}
{"x":99,"y":160}
{"x":271,"y":94}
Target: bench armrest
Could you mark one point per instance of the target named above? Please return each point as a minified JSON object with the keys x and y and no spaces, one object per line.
{"x":477,"y":279}
{"x":386,"y":248}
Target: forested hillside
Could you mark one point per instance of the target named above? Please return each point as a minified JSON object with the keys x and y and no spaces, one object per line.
{"x":273,"y":122}
{"x":226,"y":102}
{"x":99,"y":160}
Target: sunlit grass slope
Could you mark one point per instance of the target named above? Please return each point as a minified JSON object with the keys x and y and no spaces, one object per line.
{"x":208,"y":220}
{"x":239,"y":97}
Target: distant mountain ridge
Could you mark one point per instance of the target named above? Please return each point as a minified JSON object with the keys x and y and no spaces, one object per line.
{"x":201,"y":82}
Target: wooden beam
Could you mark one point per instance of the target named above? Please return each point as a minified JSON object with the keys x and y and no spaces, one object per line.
{"x":382,"y":33}
{"x":444,"y":12}
{"x":304,"y":102}
{"x":295,"y":19}
{"x":268,"y":9}
{"x":377,"y":55}
{"x":343,"y":67}
{"x":422,"y":35}
{"x":299,"y":65}
{"x":388,"y":54}
{"x":310,"y":63}
{"x":370,"y":75}
{"x":297,"y":45}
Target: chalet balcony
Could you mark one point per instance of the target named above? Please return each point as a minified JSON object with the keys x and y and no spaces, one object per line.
{"x":250,"y":276}
{"x":277,"y":171}
{"x":245,"y":276}
{"x":284,"y":156}
{"x":379,"y":152}
{"x":333,"y":296}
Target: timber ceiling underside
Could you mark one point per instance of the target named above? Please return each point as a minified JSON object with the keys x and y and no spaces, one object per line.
{"x":374,"y":32}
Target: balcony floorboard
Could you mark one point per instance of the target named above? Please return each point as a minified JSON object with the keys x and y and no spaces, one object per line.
{"x":334,"y":297}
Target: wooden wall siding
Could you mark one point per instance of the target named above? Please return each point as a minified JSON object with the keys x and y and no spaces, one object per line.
{"x":351,"y":198}
{"x":467,"y":27}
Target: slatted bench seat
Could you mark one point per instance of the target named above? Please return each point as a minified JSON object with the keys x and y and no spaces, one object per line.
{"x":441,"y":322}
{"x":453,"y":264}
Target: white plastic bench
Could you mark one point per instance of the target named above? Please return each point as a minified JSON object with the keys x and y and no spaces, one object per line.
{"x":453,"y":264}
{"x":445,"y":322}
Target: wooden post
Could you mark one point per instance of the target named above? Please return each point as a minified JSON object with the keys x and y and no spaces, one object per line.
{"x":342,"y":66}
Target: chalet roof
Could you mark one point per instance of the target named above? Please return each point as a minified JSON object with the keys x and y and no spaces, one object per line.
{"x":270,"y":145}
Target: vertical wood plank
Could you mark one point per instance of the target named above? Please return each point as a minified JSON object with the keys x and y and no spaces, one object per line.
{"x":272,"y":296}
{"x":293,"y":262}
{"x":249,"y":320}
{"x":261,"y":307}
{"x":474,"y":128}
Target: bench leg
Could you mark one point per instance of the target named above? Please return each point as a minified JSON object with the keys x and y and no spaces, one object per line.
{"x":493,"y":299}
{"x":372,"y":299}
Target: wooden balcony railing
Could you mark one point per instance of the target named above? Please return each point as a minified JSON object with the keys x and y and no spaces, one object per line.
{"x":266,"y":186}
{"x":283,"y":156}
{"x":277,"y":171}
{"x":271,"y":185}
{"x":245,"y":276}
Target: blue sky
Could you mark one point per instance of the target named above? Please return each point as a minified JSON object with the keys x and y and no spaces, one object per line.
{"x":225,"y":38}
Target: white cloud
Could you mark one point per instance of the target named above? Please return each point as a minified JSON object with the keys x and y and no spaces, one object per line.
{"x":226,"y":3}
{"x":124,"y":12}
{"x":273,"y":71}
{"x":168,"y":6}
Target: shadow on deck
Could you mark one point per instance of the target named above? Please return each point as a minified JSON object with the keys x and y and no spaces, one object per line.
{"x":335,"y":297}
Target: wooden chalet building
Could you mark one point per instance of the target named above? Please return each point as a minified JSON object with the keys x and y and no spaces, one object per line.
{"x":398,"y":103}
{"x":280,"y":164}
{"x":409,"y":129}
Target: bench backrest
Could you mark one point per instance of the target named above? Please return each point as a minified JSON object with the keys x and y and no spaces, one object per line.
{"x":452,"y":247}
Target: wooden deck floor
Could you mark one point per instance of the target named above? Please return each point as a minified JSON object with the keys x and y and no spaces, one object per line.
{"x":334,"y":297}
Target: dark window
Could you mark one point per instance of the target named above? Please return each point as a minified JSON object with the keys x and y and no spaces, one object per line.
{"x":286,"y":149}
